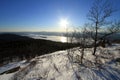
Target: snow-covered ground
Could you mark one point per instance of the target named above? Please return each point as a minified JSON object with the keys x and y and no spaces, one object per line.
{"x":61,"y":66}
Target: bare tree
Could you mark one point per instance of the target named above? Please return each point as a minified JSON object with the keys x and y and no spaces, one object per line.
{"x":111,"y":29}
{"x":83,"y":42}
{"x":98,"y":15}
{"x":81,"y":37}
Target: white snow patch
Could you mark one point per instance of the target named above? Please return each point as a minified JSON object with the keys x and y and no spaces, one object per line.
{"x":57,"y":66}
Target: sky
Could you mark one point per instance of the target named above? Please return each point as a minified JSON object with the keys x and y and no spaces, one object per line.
{"x":44,"y":15}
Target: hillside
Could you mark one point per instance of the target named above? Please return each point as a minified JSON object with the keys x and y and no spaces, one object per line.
{"x":14,"y":46}
{"x":57,"y":66}
{"x":13,"y":37}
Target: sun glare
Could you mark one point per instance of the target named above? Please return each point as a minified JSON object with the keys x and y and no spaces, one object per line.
{"x":63,"y":23}
{"x":63,"y":39}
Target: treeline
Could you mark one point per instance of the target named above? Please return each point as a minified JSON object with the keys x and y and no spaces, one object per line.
{"x":29,"y":48}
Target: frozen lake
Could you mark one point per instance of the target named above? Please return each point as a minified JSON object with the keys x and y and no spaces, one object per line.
{"x":48,"y":37}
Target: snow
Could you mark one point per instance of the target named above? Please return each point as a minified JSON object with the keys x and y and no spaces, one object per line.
{"x":58,"y":66}
{"x":6,"y":76}
{"x":10,"y":66}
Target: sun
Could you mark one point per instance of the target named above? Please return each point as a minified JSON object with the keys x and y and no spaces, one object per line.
{"x":63,"y":23}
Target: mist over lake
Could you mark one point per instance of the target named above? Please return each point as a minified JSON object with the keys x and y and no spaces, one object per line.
{"x":53,"y":36}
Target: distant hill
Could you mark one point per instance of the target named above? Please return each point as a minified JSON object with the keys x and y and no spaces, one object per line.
{"x":13,"y":37}
{"x":15,"y":46}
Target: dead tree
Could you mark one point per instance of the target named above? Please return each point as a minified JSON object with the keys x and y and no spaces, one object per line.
{"x":81,"y":38}
{"x":98,"y":15}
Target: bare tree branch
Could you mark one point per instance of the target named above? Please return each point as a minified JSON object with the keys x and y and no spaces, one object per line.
{"x":98,"y":14}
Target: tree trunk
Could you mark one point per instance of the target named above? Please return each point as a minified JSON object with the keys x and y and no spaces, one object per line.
{"x":82,"y":54}
{"x":96,"y":34}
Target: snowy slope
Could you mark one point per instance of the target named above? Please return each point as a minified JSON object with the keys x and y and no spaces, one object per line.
{"x":58,"y":66}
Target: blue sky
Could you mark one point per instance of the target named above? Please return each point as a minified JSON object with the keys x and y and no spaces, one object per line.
{"x":44,"y":15}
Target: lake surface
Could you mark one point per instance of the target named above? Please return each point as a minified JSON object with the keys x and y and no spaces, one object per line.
{"x":57,"y":38}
